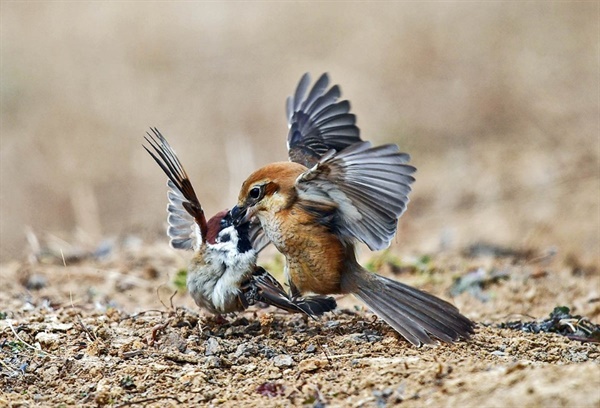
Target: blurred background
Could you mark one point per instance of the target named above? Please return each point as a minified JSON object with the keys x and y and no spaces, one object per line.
{"x":498,"y":104}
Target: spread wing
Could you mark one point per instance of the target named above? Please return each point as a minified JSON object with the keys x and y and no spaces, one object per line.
{"x":187,"y":222}
{"x":318,"y":122}
{"x":365,"y":187}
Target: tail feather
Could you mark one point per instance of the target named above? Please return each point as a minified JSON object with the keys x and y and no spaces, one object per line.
{"x":315,"y":305}
{"x":263,"y":287}
{"x":415,"y":314}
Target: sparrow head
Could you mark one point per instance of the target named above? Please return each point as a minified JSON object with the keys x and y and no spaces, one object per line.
{"x":222,"y":234}
{"x":268,"y":189}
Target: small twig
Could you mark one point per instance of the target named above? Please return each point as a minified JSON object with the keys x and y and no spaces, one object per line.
{"x":145,"y":400}
{"x":347,"y":355}
{"x":132,"y":353}
{"x":8,"y":368}
{"x":171,"y":300}
{"x":156,"y":329}
{"x":85,"y":329}
{"x":324,"y":350}
{"x":520,"y":314}
{"x":27,"y":344}
{"x":569,"y":323}
{"x":141,"y":313}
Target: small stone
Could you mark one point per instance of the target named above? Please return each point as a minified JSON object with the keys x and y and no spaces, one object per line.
{"x":248,"y":368}
{"x":48,"y":340}
{"x":291,"y":342}
{"x":366,"y":337}
{"x":175,"y":341}
{"x":213,"y":362}
{"x":311,"y":348}
{"x":195,"y":378}
{"x":577,"y":357}
{"x":245,"y":349}
{"x":283,"y":360}
{"x":311,"y":364}
{"x":211,"y":347}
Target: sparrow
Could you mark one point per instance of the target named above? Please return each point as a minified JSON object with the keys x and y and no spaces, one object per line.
{"x":222,"y":276}
{"x":336,"y":191}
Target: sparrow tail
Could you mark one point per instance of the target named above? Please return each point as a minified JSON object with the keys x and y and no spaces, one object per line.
{"x":263,"y":287}
{"x":315,"y":305}
{"x":415,"y":314}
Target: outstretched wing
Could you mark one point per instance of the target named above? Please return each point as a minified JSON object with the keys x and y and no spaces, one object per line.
{"x":263,"y":287}
{"x":366,"y":189}
{"x":318,"y":122}
{"x":187,"y":222}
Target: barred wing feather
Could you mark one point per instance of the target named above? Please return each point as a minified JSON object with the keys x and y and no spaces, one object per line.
{"x":367,"y":186}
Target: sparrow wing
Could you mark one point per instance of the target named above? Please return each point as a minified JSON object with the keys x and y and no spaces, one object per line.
{"x":187,"y":222}
{"x":270,"y":291}
{"x":318,"y":122}
{"x":363,"y":190}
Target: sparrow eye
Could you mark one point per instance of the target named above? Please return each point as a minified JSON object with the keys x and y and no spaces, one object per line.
{"x":255,"y":193}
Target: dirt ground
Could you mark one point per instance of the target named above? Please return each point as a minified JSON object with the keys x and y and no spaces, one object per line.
{"x":104,"y":330}
{"x":497,"y":103}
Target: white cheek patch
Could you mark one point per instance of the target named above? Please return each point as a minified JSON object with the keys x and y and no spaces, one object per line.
{"x":226,"y":236}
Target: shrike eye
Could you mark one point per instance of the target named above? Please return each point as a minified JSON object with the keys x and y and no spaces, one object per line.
{"x":254,"y":193}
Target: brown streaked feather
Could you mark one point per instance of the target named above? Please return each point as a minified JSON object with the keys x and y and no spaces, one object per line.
{"x":182,"y":195}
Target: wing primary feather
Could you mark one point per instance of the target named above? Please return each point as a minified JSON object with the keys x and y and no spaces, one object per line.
{"x":316,"y":91}
{"x":317,"y":122}
{"x":301,"y":90}
{"x":289,"y":109}
{"x":182,"y":198}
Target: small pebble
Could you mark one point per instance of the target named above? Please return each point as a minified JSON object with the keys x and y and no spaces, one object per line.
{"x":211,"y":346}
{"x":246,"y":350}
{"x":213,"y":362}
{"x":283,"y":360}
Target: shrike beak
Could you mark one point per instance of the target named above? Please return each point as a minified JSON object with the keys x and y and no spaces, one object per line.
{"x":239,"y":215}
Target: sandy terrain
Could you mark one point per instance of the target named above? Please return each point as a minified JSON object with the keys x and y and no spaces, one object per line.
{"x":114,"y":343}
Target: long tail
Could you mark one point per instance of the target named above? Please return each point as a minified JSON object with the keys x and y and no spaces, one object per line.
{"x":414,"y":314}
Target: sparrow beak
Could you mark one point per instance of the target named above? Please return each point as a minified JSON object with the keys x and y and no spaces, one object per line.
{"x":239,"y":215}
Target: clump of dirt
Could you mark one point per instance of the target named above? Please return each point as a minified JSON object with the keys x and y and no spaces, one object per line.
{"x":563,"y":322}
{"x":103,"y":332}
